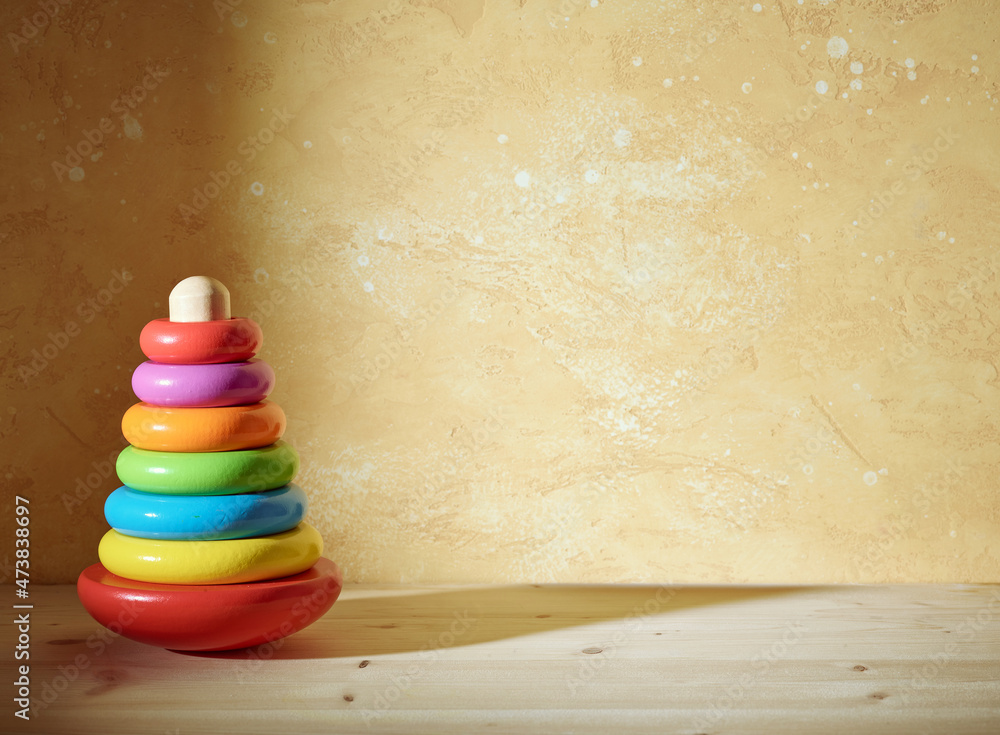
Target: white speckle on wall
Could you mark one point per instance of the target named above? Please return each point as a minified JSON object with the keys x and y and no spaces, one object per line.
{"x":622,"y":138}
{"x":837,"y":47}
{"x":131,"y":128}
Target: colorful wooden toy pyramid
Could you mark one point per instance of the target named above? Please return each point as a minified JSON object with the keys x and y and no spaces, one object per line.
{"x":208,"y":549}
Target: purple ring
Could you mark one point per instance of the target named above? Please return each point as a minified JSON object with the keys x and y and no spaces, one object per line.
{"x":203,"y":386}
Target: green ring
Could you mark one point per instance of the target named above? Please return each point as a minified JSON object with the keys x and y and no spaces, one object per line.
{"x":208,"y":473}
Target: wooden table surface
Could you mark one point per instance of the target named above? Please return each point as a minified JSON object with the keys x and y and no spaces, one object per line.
{"x":545,"y":659}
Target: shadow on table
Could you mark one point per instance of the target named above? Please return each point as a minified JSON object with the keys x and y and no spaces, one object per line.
{"x":390,"y":622}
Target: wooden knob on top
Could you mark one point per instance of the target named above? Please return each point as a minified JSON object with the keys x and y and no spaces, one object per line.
{"x":199,"y":299}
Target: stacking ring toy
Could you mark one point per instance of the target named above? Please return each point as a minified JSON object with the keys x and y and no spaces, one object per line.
{"x":200,"y":343}
{"x":209,"y":618}
{"x":166,"y":429}
{"x":211,"y":562}
{"x":196,"y":517}
{"x":208,"y":473}
{"x":200,"y":386}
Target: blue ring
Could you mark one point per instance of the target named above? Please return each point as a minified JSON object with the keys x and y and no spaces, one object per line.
{"x":208,"y":517}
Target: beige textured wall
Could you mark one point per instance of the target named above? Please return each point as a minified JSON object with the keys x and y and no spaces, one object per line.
{"x":612,"y":291}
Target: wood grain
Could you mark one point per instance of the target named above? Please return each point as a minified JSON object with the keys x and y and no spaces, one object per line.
{"x":547,"y":659}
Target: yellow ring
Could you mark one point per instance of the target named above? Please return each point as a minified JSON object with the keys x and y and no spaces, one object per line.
{"x":211,"y":562}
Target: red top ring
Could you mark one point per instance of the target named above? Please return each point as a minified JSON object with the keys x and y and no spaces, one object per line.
{"x":201,"y":343}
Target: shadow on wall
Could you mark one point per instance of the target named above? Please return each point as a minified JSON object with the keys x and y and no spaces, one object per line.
{"x":125,"y":178}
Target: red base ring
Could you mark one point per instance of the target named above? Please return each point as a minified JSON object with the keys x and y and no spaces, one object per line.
{"x":209,"y":617}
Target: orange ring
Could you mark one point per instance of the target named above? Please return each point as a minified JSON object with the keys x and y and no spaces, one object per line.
{"x":201,"y":343}
{"x":163,"y":429}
